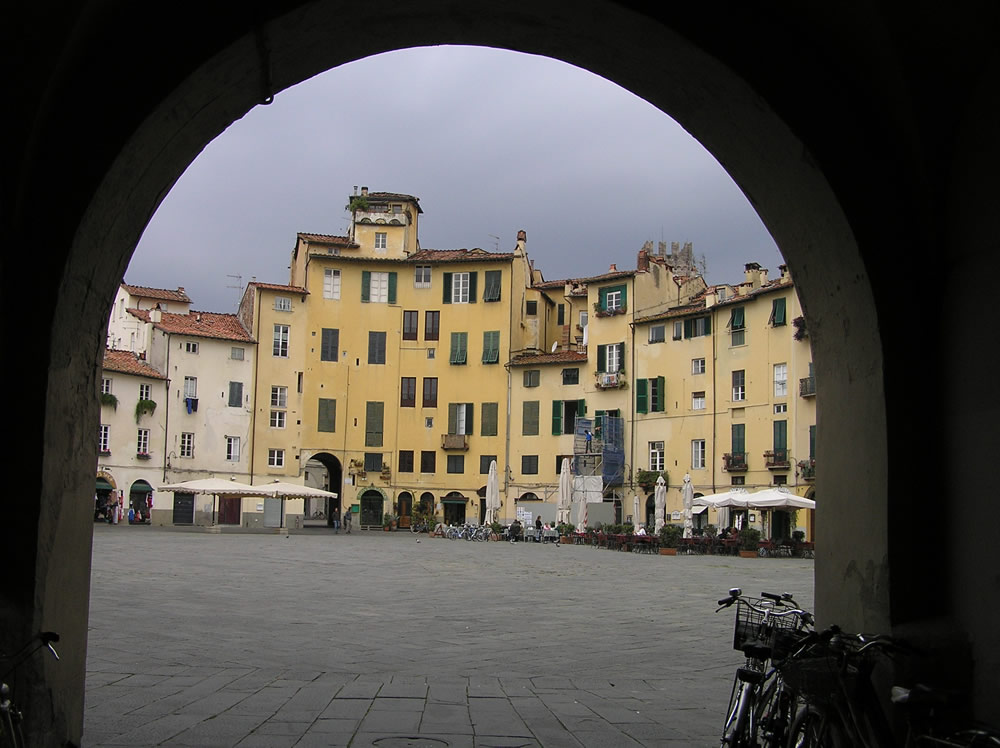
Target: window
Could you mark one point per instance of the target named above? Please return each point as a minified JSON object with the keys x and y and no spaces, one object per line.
{"x":430,"y":392}
{"x":145,"y":392}
{"x":559,"y":460}
{"x":104,"y":438}
{"x":484,"y":463}
{"x":780,"y":408}
{"x":529,"y":418}
{"x":531,"y":308}
{"x":329,"y":344}
{"x":777,"y":312}
{"x":698,"y":454}
{"x":374,"y":413}
{"x":190,"y":387}
{"x":738,"y":480}
{"x":560,"y":314}
{"x":429,"y":422}
{"x":326,"y":416}
{"x":233,"y":448}
{"x":282,"y":304}
{"x":190,"y":347}
{"x":376,"y":347}
{"x":459,"y":347}
{"x":187,"y":444}
{"x":491,"y":347}
{"x":739,"y":385}
{"x":489,"y":419}
{"x":780,"y":439}
{"x":492,"y":290}
{"x":698,"y":400}
{"x":276,"y":458}
{"x":697,"y":366}
{"x":430,"y":353}
{"x":459,"y":288}
{"x":378,"y":288}
{"x":456,"y":464}
{"x":564,"y":413}
{"x":612,"y":298}
{"x":427,"y":462}
{"x":410,"y":325}
{"x":460,"y":418}
{"x":422,"y":276}
{"x":142,"y":442}
{"x":697,"y":327}
{"x":279,"y":348}
{"x":649,"y":395}
{"x":571,"y":376}
{"x":279,"y":396}
{"x":738,"y":438}
{"x":405,"y":461}
{"x":780,"y":380}
{"x":656,"y":458}
{"x":657,"y":333}
{"x":531,"y":377}
{"x":331,"y":284}
{"x":373,"y":462}
{"x":737,"y":326}
{"x":780,"y":480}
{"x":235,"y":394}
{"x":236,"y":353}
{"x":432,"y":325}
{"x":610,"y":357}
{"x":408,"y":392}
{"x":678,"y":330}
{"x":106,"y":386}
{"x":278,"y":419}
{"x":529,"y":464}
{"x":380,"y":240}
{"x":583,"y":320}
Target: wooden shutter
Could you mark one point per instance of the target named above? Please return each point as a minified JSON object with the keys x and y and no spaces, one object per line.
{"x":493,"y":284}
{"x":446,"y":286}
{"x":581,"y":407}
{"x":458,"y":347}
{"x":452,"y":418}
{"x":621,"y":356}
{"x":529,"y":425}
{"x":641,"y":396}
{"x":657,"y":406}
{"x":489,"y":419}
{"x":366,"y":285}
{"x":330,"y":344}
{"x":392,"y":288}
{"x":374,"y":412}
{"x":739,"y":438}
{"x":780,"y":435}
{"x":326,"y":419}
{"x":470,"y":412}
{"x":557,"y":415}
{"x":602,"y":358}
{"x":688,"y":328}
{"x":235,"y":394}
{"x":472,"y":287}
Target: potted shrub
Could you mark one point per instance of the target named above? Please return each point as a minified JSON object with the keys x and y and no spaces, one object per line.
{"x":387,"y":522}
{"x":646,"y":479}
{"x":670,"y":538}
{"x":565,"y":532}
{"x":749,"y":542}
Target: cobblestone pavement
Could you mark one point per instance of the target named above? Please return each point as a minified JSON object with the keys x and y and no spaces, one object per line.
{"x":376,"y":639}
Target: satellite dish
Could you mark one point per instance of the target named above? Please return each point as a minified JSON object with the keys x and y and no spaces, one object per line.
{"x":554,"y":346}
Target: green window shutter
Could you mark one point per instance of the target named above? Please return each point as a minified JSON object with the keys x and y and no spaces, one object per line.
{"x":624,"y":290}
{"x":452,"y":418}
{"x":581,"y":407}
{"x":778,"y":312}
{"x":737,"y":320}
{"x":459,"y":347}
{"x":598,"y":420}
{"x":780,"y":435}
{"x":659,"y":405}
{"x":491,"y":292}
{"x":330,"y":344}
{"x":621,"y":356}
{"x":472,"y":287}
{"x":446,"y":285}
{"x":489,"y":419}
{"x":392,"y":288}
{"x":557,"y":414}
{"x":688,"y":328}
{"x":641,"y":396}
{"x":812,"y":442}
{"x":470,"y":411}
{"x":529,"y":418}
{"x":326,"y":419}
{"x":366,"y":285}
{"x":491,"y":347}
{"x":374,"y":412}
{"x":603,"y":299}
{"x":708,"y":325}
{"x":561,"y":314}
{"x":739,"y":432}
{"x":602,"y":357}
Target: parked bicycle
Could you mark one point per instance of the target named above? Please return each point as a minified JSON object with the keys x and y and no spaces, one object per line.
{"x":11,"y":735}
{"x":767,"y":629}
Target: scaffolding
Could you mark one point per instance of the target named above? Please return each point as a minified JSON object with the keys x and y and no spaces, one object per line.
{"x":603,"y":453}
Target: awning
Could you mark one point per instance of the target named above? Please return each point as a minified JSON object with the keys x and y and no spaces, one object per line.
{"x":103,"y":485}
{"x":453,"y":500}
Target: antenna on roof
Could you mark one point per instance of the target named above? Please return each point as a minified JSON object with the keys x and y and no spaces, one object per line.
{"x":496,"y":244}
{"x":238,"y":286}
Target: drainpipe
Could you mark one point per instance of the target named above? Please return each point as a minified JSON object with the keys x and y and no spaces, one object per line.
{"x":256,"y":369}
{"x":715,"y":402}
{"x":166,"y":406}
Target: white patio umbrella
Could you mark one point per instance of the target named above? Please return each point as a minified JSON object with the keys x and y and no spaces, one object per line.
{"x":635,"y":510}
{"x":565,"y":493}
{"x":660,"y":503}
{"x":778,"y":498}
{"x":687,"y":494}
{"x":492,"y":494}
{"x":283,"y":490}
{"x":214,"y":487}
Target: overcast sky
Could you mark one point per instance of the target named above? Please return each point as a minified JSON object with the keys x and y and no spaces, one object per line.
{"x":490,"y":141}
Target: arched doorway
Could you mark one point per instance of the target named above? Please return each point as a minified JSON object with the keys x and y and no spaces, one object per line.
{"x":103,"y":492}
{"x":404,"y":508}
{"x":372,"y":509}
{"x":140,"y":503}
{"x":650,"y":511}
{"x":323,"y":470}
{"x":454,"y":508}
{"x":481,"y":494}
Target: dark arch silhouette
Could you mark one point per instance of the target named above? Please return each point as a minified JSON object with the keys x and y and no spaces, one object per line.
{"x":871,"y":164}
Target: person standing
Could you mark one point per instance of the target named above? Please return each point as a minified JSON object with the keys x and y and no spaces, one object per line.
{"x":347,"y":521}
{"x":538,"y":529}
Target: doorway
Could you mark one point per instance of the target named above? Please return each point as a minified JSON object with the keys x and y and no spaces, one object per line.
{"x":372,"y":504}
{"x":404,"y":506}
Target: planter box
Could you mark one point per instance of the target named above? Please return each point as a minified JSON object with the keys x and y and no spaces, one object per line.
{"x":565,"y":539}
{"x":748,"y":554}
{"x":668,"y":551}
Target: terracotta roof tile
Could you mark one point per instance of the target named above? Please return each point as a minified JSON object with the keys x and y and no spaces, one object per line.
{"x":343,"y":241}
{"x":199,"y":325}
{"x":382,"y":196}
{"x":279,"y":287}
{"x":559,"y":357}
{"x":127,"y":362}
{"x":583,"y":281}
{"x":157,"y":293}
{"x":698,"y":305}
{"x":459,"y":255}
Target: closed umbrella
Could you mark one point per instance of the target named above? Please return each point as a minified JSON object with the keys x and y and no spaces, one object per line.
{"x":660,"y":503}
{"x":565,"y":492}
{"x":635,"y":510}
{"x":687,"y":494}
{"x":492,"y":494}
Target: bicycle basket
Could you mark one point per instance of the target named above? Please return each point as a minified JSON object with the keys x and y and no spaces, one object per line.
{"x":815,"y":678}
{"x":778,"y":633}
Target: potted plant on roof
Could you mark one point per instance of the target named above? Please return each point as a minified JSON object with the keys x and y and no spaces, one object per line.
{"x":749,"y":542}
{"x":670,"y":538}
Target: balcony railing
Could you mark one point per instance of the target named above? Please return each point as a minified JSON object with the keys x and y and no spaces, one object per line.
{"x":610,"y":380}
{"x":454,"y":441}
{"x":807,"y":469}
{"x":734,"y":462}
{"x":807,"y":387}
{"x":776,"y":459}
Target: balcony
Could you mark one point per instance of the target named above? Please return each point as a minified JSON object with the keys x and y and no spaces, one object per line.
{"x":807,"y":387}
{"x":777,"y":459}
{"x":734,"y":462}
{"x":382,"y":218}
{"x":610,"y":380}
{"x":807,"y":469}
{"x":454,"y":441}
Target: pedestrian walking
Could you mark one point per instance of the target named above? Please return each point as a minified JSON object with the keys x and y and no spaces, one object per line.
{"x":347,"y":521}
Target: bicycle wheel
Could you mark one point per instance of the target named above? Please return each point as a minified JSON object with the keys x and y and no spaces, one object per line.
{"x":736,"y":733}
{"x":774,"y":713}
{"x":816,"y":728}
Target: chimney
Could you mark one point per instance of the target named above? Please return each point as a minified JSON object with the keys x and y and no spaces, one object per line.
{"x":522,"y":238}
{"x":752,"y":274}
{"x":613,"y":268}
{"x":364,"y":192}
{"x":642,"y":262}
{"x":154,"y":314}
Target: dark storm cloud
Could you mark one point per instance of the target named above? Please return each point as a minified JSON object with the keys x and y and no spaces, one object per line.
{"x":490,"y":141}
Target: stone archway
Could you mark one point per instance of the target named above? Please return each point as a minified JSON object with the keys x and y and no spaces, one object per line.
{"x":330,"y":477}
{"x":840,"y":173}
